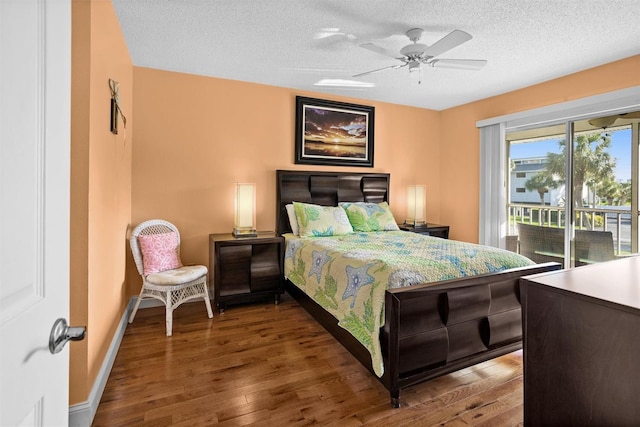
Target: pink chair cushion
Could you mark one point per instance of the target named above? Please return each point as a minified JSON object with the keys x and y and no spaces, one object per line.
{"x":159,"y":252}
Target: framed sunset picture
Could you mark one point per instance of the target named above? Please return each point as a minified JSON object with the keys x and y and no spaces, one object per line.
{"x":333,"y":133}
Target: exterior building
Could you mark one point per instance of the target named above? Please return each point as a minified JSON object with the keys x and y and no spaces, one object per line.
{"x":524,"y":169}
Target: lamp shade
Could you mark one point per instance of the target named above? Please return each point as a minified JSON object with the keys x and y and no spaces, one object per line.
{"x":416,"y":205}
{"x":245,"y":220}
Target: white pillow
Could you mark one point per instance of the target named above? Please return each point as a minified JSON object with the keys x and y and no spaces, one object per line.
{"x":293,"y":221}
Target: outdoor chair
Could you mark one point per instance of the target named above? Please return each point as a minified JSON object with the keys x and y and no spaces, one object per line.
{"x":545,"y":244}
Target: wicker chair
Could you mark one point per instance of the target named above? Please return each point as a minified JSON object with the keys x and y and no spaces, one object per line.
{"x":172,"y":287}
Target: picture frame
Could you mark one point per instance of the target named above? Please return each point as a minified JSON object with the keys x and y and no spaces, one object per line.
{"x":333,"y":133}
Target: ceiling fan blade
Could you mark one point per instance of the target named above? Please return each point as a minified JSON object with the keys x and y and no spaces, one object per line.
{"x":451,"y":40}
{"x":375,"y":48}
{"x":603,"y":122}
{"x":459,"y":64}
{"x":380,"y":69}
{"x":606,"y":121}
{"x":632,"y":115}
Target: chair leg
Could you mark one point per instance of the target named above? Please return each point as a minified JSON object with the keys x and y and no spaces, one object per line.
{"x":169,"y":314}
{"x":135,"y":307}
{"x":208,"y":304}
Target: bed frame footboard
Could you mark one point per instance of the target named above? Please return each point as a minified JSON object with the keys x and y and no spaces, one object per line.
{"x":435,"y":329}
{"x":432,"y":330}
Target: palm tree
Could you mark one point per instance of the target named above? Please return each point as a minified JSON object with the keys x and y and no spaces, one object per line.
{"x":611,"y":191}
{"x":591,"y":161}
{"x":625,"y":192}
{"x":540,"y":183}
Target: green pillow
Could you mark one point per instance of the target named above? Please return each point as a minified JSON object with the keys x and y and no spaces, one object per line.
{"x":370,"y":216}
{"x":316,"y":220}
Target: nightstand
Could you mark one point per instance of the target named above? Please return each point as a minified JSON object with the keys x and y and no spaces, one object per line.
{"x":246,"y":269}
{"x":430,"y":229}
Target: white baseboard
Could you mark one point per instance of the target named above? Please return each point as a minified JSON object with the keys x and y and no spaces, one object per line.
{"x":81,"y":414}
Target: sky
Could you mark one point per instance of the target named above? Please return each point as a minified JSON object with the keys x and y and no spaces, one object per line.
{"x":334,"y":126}
{"x":620,"y":149}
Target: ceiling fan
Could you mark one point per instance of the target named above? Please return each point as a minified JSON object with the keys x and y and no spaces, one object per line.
{"x":416,"y":54}
{"x":607,"y":121}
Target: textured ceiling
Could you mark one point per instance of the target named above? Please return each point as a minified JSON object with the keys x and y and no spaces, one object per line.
{"x":296,"y":43}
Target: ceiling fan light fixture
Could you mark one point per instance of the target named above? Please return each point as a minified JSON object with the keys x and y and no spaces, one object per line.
{"x":415,"y":49}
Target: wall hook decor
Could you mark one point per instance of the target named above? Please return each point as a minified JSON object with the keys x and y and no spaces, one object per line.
{"x":115,"y":107}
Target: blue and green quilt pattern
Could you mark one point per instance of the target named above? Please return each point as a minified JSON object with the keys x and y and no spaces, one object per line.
{"x":348,"y":274}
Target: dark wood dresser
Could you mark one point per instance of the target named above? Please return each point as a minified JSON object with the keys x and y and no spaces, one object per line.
{"x":581,"y":331}
{"x":246,"y":269}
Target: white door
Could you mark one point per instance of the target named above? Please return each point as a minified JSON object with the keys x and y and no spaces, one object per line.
{"x":35,"y":90}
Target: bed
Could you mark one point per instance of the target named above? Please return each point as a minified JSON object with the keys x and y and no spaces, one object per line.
{"x":425,"y":330}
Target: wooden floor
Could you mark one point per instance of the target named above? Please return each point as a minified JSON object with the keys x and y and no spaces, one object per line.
{"x":270,"y":365}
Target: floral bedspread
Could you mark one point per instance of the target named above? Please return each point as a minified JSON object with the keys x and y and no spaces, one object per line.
{"x":348,"y":274}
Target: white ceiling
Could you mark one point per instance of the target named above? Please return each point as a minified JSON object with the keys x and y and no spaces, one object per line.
{"x":275,"y":42}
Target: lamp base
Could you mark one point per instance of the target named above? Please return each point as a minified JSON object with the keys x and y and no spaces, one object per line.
{"x":244,"y":233}
{"x":415,"y":224}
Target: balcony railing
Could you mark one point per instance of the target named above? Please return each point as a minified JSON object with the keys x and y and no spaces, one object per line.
{"x":604,"y":218}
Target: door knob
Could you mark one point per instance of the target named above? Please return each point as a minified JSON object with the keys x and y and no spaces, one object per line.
{"x":61,"y":333}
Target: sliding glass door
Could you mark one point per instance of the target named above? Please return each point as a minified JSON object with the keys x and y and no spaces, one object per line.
{"x":575,"y":202}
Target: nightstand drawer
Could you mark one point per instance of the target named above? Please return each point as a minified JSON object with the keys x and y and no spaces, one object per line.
{"x":265,"y":266}
{"x":235,"y":276}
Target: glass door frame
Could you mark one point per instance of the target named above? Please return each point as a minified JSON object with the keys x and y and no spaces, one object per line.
{"x":635,"y":193}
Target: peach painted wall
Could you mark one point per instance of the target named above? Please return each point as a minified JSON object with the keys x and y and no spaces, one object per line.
{"x":100,"y":187}
{"x":196,"y":136}
{"x":460,"y":173}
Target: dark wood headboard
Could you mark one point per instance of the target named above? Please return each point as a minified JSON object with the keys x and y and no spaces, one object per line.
{"x":327,"y":189}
